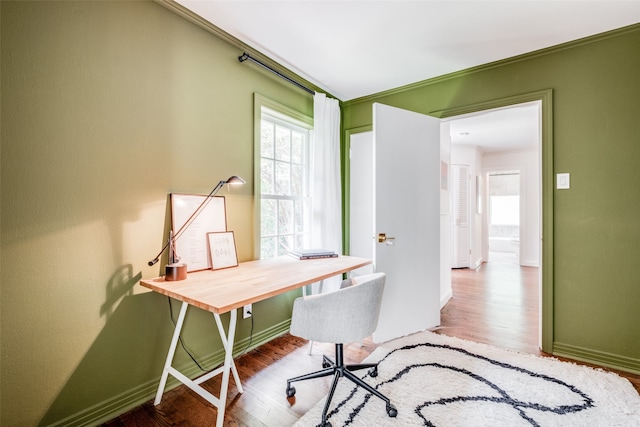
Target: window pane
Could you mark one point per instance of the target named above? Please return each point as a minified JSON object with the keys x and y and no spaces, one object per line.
{"x":299,"y":211}
{"x":306,"y":216}
{"x":268,"y":218}
{"x":505,"y":210}
{"x":283,"y":179}
{"x":285,"y":217}
{"x":297,"y":141}
{"x":283,"y":143}
{"x":268,"y":247}
{"x":297,"y":180}
{"x":285,"y":245}
{"x":267,"y":139}
{"x":267,"y":176}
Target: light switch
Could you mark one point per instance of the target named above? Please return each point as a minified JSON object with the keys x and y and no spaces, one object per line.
{"x":563,"y":181}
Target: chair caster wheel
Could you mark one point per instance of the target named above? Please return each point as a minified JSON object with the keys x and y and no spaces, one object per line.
{"x":392,"y":411}
{"x":291,"y":391}
{"x":373,"y":372}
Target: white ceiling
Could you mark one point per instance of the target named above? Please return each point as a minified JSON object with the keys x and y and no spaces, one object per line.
{"x":357,"y":48}
{"x":503,"y":129}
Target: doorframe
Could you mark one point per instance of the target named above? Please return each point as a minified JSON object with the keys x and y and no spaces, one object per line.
{"x":346,"y":183}
{"x":546,"y":199}
{"x":522,"y":217}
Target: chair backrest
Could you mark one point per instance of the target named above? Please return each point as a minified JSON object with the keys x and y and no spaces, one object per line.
{"x":346,"y":315}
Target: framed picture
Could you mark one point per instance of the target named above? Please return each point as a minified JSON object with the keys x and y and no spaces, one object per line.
{"x":222,"y":250}
{"x":444,"y":175}
{"x":192,"y":247}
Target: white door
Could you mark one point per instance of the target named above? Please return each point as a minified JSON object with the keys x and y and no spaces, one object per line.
{"x":460,"y":247}
{"x":407,"y":212}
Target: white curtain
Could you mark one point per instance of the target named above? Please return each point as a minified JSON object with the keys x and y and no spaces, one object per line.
{"x":325,"y":181}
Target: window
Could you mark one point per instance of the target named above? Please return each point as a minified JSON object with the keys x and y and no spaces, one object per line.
{"x":504,"y":204}
{"x":283,"y":162}
{"x":505,"y":210}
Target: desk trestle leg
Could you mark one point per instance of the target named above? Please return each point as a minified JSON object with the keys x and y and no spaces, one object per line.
{"x":228,"y":344}
{"x":172,"y":352}
{"x":227,"y":368}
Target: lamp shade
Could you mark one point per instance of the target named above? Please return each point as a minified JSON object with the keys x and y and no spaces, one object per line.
{"x":235,"y":180}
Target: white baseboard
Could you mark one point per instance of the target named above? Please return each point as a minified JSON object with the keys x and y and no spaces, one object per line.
{"x":444,"y":299}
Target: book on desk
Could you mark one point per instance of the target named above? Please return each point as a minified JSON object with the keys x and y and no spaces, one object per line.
{"x":313,"y":254}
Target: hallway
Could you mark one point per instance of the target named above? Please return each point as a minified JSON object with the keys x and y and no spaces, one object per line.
{"x":501,"y":300}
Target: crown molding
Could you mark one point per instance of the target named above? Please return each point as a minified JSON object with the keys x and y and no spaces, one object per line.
{"x":185,"y":13}
{"x":199,"y":21}
{"x":512,"y":60}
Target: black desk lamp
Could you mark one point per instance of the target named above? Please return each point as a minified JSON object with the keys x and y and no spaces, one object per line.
{"x":176,"y":270}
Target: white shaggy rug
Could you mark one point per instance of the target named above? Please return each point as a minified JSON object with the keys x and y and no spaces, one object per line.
{"x":435,"y":380}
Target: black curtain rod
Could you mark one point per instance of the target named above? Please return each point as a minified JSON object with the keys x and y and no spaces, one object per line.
{"x":246,"y":56}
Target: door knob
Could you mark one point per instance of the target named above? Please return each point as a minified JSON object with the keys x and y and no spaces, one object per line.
{"x":382,"y":238}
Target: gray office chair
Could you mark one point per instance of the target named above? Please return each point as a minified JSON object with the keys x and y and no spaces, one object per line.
{"x":347,"y":315}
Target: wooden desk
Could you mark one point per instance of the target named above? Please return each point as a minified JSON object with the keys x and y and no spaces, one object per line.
{"x":221,"y":291}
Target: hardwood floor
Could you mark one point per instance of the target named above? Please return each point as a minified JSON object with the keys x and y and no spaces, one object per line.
{"x":496,"y":304}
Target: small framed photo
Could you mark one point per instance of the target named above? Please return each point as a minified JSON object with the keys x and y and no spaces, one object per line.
{"x":222,"y":250}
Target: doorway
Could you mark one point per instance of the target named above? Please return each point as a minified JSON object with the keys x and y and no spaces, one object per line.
{"x":543,"y":215}
{"x":507,"y":170}
{"x":505,"y":140}
{"x":503,"y":216}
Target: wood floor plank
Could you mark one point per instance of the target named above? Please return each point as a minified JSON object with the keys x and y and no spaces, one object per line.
{"x":496,"y":304}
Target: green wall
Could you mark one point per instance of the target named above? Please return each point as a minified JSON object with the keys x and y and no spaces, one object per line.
{"x":106,"y":108}
{"x":592,"y":275}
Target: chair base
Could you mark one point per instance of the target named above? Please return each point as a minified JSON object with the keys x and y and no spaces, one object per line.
{"x":339,"y":369}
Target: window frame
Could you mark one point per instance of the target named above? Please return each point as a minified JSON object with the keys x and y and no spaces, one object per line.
{"x":279,"y":113}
